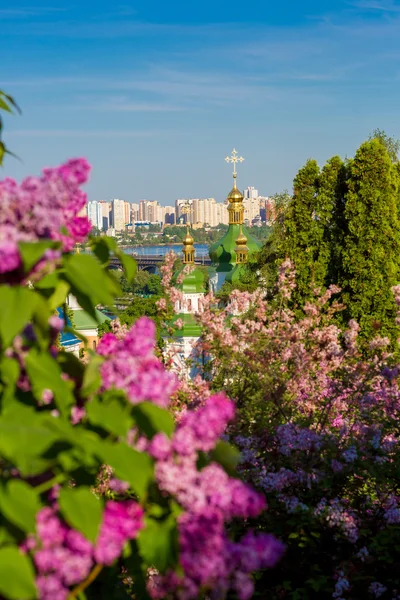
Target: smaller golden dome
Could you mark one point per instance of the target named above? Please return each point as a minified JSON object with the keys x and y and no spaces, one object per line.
{"x":188,"y":240}
{"x":241,"y":240}
{"x":235,"y":195}
{"x":241,"y":248}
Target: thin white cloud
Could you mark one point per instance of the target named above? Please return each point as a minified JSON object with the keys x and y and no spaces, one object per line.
{"x":29,"y":11}
{"x":124,"y":105}
{"x":377,"y":5}
{"x":81,"y":133}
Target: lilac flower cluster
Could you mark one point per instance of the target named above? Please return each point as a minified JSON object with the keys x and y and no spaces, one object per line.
{"x":131,"y":366}
{"x":122,"y":521}
{"x":211,"y":498}
{"x":377,"y":589}
{"x":337,"y":516}
{"x":64,"y":557}
{"x":42,"y":208}
{"x":342,"y":585}
{"x":291,"y":438}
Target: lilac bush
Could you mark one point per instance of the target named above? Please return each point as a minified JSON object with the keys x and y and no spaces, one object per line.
{"x":102,"y":491}
{"x":319,"y":432}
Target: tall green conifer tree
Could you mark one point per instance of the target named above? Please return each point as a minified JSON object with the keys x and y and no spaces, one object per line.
{"x":303,"y":231}
{"x":330,"y":208}
{"x":371,"y":248}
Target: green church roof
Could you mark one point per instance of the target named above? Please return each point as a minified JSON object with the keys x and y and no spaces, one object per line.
{"x":234,"y":275}
{"x":82,"y":320}
{"x":222,"y":252}
{"x":190,"y":328}
{"x":193,"y":282}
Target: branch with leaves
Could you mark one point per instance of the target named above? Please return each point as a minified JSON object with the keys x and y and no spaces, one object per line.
{"x":8,"y":104}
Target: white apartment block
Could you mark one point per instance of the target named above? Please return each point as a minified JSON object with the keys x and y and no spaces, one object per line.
{"x":118,"y":214}
{"x":127,"y":212}
{"x":135,"y":212}
{"x":95,"y":214}
{"x":250,"y":192}
{"x":106,"y":214}
{"x":251,"y":208}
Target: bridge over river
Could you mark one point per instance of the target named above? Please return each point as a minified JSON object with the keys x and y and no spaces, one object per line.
{"x":152,"y":262}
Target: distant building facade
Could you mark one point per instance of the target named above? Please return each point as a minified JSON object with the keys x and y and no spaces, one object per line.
{"x":95,"y":214}
{"x":118,"y":214}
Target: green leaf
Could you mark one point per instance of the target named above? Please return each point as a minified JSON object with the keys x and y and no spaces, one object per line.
{"x":4,"y":105}
{"x":158,"y":543}
{"x":10,"y":100}
{"x":32,"y":252}
{"x":152,"y":419}
{"x":82,"y":510}
{"x":49,"y":281}
{"x":87,"y":277}
{"x":45,"y":373}
{"x":9,"y":375}
{"x":17,"y":576}
{"x":17,"y":305}
{"x":129,"y":465}
{"x":100,"y":246}
{"x":71,"y":365}
{"x":227,"y":456}
{"x":92,"y":377}
{"x":111,"y":416}
{"x":59,"y":294}
{"x":129,"y":265}
{"x":19,"y":503}
{"x":21,"y":427}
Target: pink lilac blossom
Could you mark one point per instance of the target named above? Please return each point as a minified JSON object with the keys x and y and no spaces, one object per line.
{"x":64,"y":557}
{"x":130,"y":365}
{"x":211,"y":499}
{"x":122,"y":521}
{"x":42,"y":208}
{"x":310,"y":372}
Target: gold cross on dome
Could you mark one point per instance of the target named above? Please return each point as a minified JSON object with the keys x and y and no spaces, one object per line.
{"x":234,"y":158}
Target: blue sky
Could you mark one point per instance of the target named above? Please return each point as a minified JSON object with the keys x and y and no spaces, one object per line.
{"x":156,"y":94}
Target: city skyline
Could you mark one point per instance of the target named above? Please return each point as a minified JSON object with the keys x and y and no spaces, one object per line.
{"x":168,"y":201}
{"x":155,"y":93}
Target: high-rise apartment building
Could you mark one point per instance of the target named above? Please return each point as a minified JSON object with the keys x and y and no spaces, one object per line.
{"x":222,"y":215}
{"x":106,"y":214}
{"x":204,"y":212}
{"x":251,"y":208}
{"x":250,"y":192}
{"x":152,"y":211}
{"x":118,"y":214}
{"x":94,"y":213}
{"x":135,"y":212}
{"x":142,"y":210}
{"x":169,"y":218}
{"x":127,"y":212}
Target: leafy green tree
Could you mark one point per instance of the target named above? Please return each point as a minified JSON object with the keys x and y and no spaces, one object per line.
{"x":304,"y":232}
{"x":139,"y":307}
{"x":144,"y":283}
{"x":371,"y":250}
{"x":391,"y":144}
{"x":329,"y":208}
{"x":273,"y":251}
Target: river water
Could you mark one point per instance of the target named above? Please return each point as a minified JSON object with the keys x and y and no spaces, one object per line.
{"x":201,"y":250}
